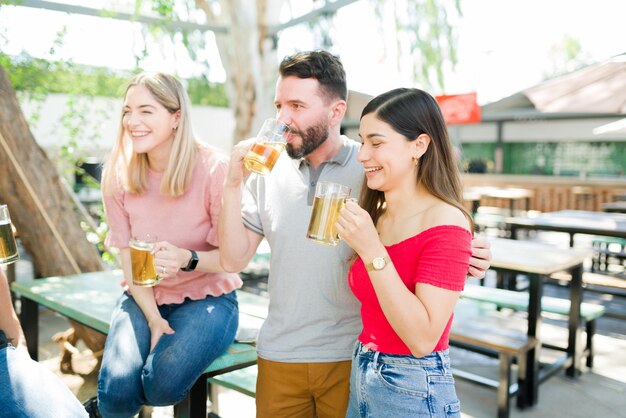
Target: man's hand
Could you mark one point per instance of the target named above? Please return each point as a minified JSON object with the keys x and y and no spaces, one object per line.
{"x":481,"y":258}
{"x":237,"y":172}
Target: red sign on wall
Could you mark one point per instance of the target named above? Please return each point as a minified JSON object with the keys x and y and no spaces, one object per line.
{"x":459,"y":108}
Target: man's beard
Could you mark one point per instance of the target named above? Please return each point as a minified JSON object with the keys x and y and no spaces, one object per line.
{"x":312,"y":138}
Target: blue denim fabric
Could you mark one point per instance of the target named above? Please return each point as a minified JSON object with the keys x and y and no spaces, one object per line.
{"x":131,"y":376}
{"x":29,"y":390}
{"x":389,"y":385}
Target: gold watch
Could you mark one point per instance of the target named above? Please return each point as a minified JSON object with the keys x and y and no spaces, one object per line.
{"x":378,"y":264}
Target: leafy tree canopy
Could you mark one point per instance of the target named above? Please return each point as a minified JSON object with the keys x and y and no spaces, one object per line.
{"x":40,"y":77}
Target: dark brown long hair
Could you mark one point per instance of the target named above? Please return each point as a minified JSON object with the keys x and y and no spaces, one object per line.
{"x":412,"y":112}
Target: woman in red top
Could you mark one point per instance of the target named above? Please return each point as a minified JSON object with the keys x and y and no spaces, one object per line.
{"x":412,"y":237}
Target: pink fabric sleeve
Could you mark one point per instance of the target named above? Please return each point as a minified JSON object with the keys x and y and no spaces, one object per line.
{"x":216,"y":188}
{"x":117,"y":219}
{"x":444,"y":260}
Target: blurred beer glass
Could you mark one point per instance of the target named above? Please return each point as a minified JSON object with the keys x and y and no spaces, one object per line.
{"x":142,"y":260}
{"x":264,"y":152}
{"x":8,"y":247}
{"x":329,"y":199}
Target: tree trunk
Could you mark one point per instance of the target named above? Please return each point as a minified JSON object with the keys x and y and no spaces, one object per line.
{"x":249,"y":59}
{"x":41,"y":207}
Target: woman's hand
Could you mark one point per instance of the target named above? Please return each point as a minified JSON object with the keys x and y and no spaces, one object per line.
{"x":168,"y":258}
{"x":158,"y":326}
{"x":356,"y":228}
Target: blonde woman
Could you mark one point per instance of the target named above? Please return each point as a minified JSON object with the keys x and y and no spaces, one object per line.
{"x":160,"y":180}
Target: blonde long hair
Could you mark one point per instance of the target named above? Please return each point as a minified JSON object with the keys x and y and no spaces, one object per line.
{"x":412,"y":112}
{"x":128,"y":170}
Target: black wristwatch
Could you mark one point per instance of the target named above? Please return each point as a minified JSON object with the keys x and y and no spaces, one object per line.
{"x":193,"y":262}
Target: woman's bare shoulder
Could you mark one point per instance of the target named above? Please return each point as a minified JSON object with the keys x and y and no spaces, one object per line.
{"x":443,"y":213}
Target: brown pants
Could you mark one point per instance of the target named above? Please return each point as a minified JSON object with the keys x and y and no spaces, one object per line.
{"x":302,"y":390}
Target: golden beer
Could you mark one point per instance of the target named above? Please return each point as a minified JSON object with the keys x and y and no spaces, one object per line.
{"x":262,"y":156}
{"x":142,"y":260}
{"x":329,"y":199}
{"x":8,"y":248}
{"x":323,"y":217}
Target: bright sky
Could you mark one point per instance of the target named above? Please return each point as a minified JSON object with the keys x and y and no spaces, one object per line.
{"x":503,"y":45}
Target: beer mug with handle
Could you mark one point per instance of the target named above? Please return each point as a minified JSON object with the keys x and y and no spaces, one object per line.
{"x":329,"y":199}
{"x":8,"y":247}
{"x":142,"y":260}
{"x":269,"y":143}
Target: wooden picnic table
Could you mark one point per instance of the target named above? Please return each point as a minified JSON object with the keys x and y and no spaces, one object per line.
{"x":90,"y":298}
{"x":572,"y":222}
{"x":512,"y":195}
{"x":619,"y":206}
{"x":537,"y":261}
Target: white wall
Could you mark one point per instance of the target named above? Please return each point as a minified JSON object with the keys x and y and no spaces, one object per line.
{"x":97,"y":120}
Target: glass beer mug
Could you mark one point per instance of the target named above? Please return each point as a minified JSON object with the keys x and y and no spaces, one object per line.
{"x":142,"y":260}
{"x":8,"y":247}
{"x":269,"y":143}
{"x":329,"y":199}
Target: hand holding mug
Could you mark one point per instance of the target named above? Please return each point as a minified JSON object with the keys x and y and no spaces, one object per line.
{"x":329,"y":199}
{"x":355,"y":226}
{"x":237,"y":172}
{"x":167,"y":259}
{"x":267,"y":146}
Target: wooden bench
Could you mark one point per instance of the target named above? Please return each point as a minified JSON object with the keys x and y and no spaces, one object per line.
{"x":242,"y":381}
{"x":89,"y":299}
{"x":479,"y":328}
{"x":601,"y":283}
{"x":503,"y":298}
{"x":597,"y":282}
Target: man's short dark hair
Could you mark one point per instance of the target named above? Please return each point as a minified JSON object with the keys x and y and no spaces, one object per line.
{"x":320,"y":65}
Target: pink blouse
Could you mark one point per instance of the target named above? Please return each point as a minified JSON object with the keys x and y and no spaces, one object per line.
{"x":187,"y":221}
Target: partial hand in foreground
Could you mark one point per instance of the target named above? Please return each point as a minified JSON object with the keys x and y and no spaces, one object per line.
{"x":481,"y":258}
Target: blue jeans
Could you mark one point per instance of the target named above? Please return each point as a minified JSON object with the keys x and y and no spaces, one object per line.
{"x":29,"y":390}
{"x":389,"y":385}
{"x":131,"y":376}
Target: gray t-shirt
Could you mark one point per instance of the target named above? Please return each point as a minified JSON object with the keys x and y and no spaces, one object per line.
{"x":313,"y":315}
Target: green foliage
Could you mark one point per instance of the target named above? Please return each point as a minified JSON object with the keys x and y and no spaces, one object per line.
{"x":165,"y":8}
{"x":37,"y":78}
{"x":425,"y":36}
{"x":203,"y":92}
{"x":566,"y":56}
{"x":35,"y":75}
